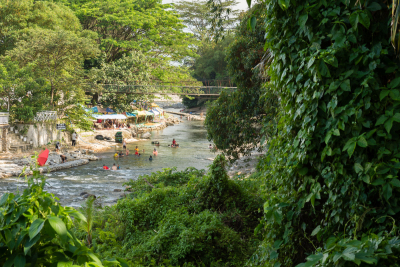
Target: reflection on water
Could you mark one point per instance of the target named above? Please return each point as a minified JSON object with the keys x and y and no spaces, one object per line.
{"x":91,"y":178}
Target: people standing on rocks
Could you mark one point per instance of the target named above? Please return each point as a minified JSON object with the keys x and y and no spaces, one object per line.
{"x":114,"y":168}
{"x":57,"y":146}
{"x":105,"y":167}
{"x":155,"y":152}
{"x":123,"y":144}
{"x":74,"y":136}
{"x":63,"y":158}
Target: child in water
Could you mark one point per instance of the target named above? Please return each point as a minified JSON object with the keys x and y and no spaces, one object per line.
{"x":155,"y":153}
{"x":116,"y":155}
{"x":151,"y":158}
{"x":136,"y":151}
{"x":127,"y":152}
{"x":118,"y":167}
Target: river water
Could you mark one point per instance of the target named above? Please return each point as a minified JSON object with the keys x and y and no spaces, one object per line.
{"x":68,"y":184}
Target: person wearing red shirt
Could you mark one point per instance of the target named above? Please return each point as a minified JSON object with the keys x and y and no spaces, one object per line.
{"x":173,"y":142}
{"x":105,"y":167}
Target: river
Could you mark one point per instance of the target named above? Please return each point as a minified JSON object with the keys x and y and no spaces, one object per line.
{"x":68,"y":184}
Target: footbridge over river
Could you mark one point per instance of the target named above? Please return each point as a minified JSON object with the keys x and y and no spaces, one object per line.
{"x":210,"y":91}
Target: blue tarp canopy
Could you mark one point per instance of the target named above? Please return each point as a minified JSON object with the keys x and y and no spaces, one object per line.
{"x":110,"y":117}
{"x":95,"y":109}
{"x":130,"y":114}
{"x":109,"y":110}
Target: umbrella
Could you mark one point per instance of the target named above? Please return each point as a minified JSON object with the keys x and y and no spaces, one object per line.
{"x":43,"y":156}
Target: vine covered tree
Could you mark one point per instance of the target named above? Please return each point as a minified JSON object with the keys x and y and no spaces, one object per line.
{"x":332,"y":167}
{"x":234,"y":121}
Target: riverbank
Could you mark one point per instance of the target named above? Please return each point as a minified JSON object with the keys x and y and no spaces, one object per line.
{"x":21,"y":167}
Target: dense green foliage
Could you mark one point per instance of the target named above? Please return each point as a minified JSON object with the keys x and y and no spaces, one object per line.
{"x":55,"y":44}
{"x":332,"y":167}
{"x":35,"y":230}
{"x":234,"y":120}
{"x":182,"y":218}
{"x":20,"y":91}
{"x":134,"y":25}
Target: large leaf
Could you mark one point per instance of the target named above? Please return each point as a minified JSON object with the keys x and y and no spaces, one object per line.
{"x":381,"y":120}
{"x":323,"y":69}
{"x":387,"y":191}
{"x":20,"y":261}
{"x":388,"y":125}
{"x":364,"y":19}
{"x":316,"y":230}
{"x":354,"y":20}
{"x":58,"y":226}
{"x":3,"y":199}
{"x":284,"y":4}
{"x":249,"y":3}
{"x":349,"y":253}
{"x":374,"y":7}
{"x":30,"y":243}
{"x":362,"y":142}
{"x":345,"y":85}
{"x":302,"y":20}
{"x":36,"y":227}
{"x":395,"y":182}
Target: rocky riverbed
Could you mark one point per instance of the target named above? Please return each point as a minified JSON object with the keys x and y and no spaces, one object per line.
{"x":21,"y":166}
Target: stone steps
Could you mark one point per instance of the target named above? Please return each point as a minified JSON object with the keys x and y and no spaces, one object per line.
{"x":16,"y":144}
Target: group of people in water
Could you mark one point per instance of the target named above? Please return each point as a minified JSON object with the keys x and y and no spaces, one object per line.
{"x":137,"y":153}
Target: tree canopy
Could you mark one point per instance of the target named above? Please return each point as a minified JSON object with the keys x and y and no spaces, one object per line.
{"x":18,"y":17}
{"x":198,"y":17}
{"x":135,"y":25}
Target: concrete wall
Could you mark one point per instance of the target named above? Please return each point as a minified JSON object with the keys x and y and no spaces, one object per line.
{"x":41,"y":133}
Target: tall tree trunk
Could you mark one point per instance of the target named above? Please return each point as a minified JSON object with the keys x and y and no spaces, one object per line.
{"x":52,"y":94}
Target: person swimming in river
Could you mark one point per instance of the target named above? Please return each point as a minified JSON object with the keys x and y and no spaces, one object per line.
{"x":136,"y":151}
{"x":116,"y":155}
{"x":120,"y":154}
{"x":210,"y":146}
{"x":114,"y":168}
{"x":173,"y":142}
{"x":155,"y":152}
{"x":105,"y":167}
{"x":151,"y":158}
{"x":118,"y":167}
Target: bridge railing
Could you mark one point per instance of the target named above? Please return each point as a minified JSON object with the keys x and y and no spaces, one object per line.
{"x":157,"y":89}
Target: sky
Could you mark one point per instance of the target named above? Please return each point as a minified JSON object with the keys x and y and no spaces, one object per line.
{"x":242,"y":4}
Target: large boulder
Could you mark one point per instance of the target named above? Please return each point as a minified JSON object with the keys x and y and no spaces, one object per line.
{"x":146,"y":136}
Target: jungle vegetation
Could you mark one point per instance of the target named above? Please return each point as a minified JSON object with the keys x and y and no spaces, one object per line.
{"x":319,"y":84}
